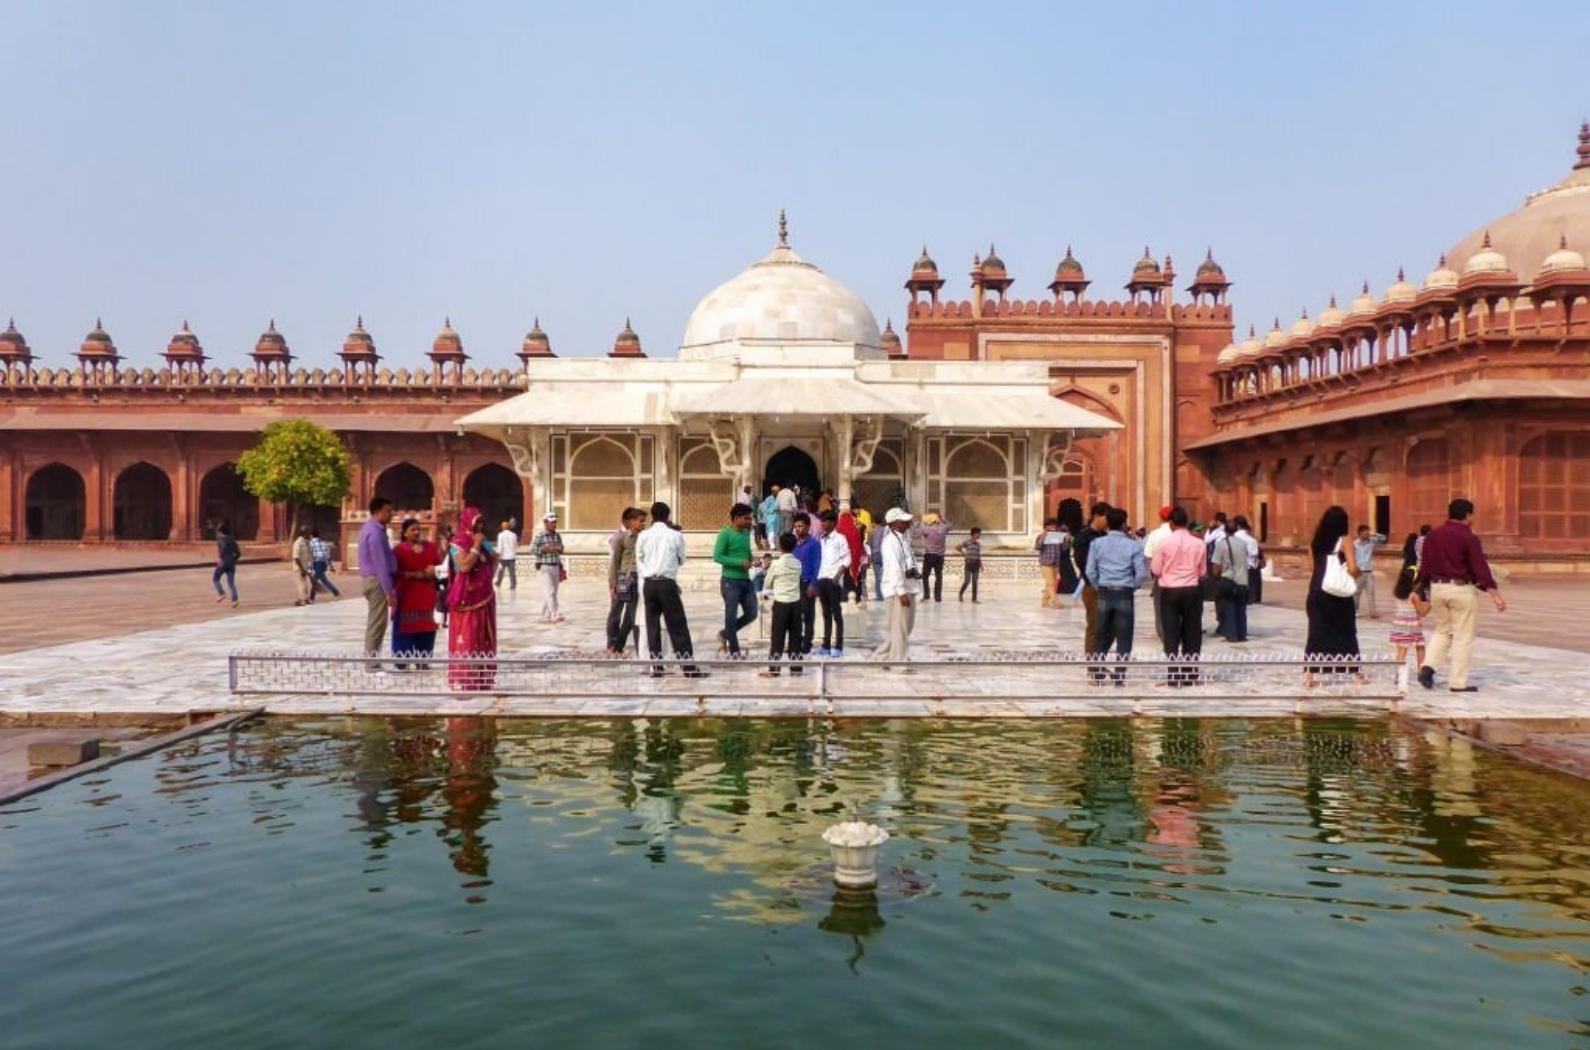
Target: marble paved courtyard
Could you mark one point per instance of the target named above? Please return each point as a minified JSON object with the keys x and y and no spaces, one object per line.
{"x":181,"y":668}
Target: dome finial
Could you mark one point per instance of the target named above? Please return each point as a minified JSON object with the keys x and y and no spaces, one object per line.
{"x":1487,"y":242}
{"x":272,"y":326}
{"x":783,"y":229}
{"x":1400,"y":275}
{"x":1584,"y":146}
{"x":1562,"y":240}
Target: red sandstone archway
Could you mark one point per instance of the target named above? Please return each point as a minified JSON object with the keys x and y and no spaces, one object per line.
{"x":498,"y":492}
{"x":143,"y":503}
{"x":407,"y":486}
{"x":55,"y":503}
{"x":222,"y":498}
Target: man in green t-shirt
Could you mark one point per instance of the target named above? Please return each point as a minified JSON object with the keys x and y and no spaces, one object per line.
{"x":733,"y":551}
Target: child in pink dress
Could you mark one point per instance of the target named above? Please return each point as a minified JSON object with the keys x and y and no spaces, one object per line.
{"x":1407,"y":630}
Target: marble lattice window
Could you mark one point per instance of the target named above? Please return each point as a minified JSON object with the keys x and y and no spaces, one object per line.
{"x":979,"y":481}
{"x":705,"y":493}
{"x":596,"y":475}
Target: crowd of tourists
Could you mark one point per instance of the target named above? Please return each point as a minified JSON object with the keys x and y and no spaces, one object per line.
{"x":806,"y":558}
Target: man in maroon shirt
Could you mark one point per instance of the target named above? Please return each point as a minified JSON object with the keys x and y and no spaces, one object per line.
{"x":1453,"y":566}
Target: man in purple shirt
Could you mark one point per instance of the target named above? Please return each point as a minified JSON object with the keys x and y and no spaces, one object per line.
{"x":934,"y":532}
{"x":379,"y":568}
{"x":1454,"y":568}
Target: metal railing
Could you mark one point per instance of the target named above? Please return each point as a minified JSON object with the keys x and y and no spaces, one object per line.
{"x":1005,"y":675}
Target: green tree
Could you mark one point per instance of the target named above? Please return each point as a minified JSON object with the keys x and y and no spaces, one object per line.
{"x":298,"y":463}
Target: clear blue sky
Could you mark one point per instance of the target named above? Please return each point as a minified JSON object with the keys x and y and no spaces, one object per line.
{"x":229,"y":163}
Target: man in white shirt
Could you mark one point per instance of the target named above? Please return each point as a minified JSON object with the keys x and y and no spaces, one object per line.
{"x":659,"y":552}
{"x":507,"y":552}
{"x":1151,"y":543}
{"x":901,"y":583}
{"x":1213,"y":535}
{"x":830,"y":592}
{"x":1255,"y":559}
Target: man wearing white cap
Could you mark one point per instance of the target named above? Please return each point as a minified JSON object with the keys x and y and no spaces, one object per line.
{"x":547,"y":550}
{"x":901,"y":583}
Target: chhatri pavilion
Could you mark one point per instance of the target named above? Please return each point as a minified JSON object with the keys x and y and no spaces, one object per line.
{"x":783,"y":377}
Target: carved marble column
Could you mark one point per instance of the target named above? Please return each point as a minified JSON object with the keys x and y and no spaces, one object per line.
{"x":916,"y":475}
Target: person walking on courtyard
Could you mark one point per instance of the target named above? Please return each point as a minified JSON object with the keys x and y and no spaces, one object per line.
{"x":773,"y":521}
{"x":935,"y":534}
{"x":320,"y":562}
{"x":1453,"y":567}
{"x":902,"y":584}
{"x":1213,"y":535}
{"x":414,"y":611}
{"x":831,"y":571}
{"x":508,"y":553}
{"x":472,"y":605}
{"x":547,"y":550}
{"x":1230,"y":562}
{"x":1050,"y":545}
{"x":971,"y":563}
{"x":1364,"y":551}
{"x":1332,"y":617}
{"x":875,"y":539}
{"x":1115,"y":569}
{"x":377,"y":567}
{"x":809,"y":552}
{"x":227,"y":555}
{"x":1098,"y":518}
{"x":1407,"y":622}
{"x":623,"y":583}
{"x":1150,"y":545}
{"x":732,"y":552}
{"x":784,"y":581}
{"x":303,"y":567}
{"x":1178,"y":566}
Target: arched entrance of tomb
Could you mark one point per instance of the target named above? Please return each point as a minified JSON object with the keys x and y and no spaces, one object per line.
{"x":222,"y":497}
{"x":792,"y":466}
{"x":497,"y":492}
{"x":407,"y":486}
{"x":54,"y":503}
{"x":143,"y":503}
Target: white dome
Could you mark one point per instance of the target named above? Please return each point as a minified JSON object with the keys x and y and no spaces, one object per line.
{"x":1332,"y":315}
{"x":1564,"y":258}
{"x":781,"y":299}
{"x":1364,"y":305}
{"x":1401,"y":291}
{"x":1227,"y":356}
{"x":1441,"y":277}
{"x":1486,"y":260}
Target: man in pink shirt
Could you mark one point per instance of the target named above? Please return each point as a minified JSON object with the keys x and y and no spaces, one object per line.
{"x":1179,"y":562}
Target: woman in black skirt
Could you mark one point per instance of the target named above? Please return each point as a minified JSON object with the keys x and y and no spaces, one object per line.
{"x":1332,"y":621}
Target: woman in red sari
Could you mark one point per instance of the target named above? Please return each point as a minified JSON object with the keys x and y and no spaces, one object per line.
{"x":852,"y":534}
{"x":414,"y":612}
{"x":472,"y":605}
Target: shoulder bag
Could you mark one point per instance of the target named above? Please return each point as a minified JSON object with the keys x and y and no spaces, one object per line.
{"x":1337,"y":580}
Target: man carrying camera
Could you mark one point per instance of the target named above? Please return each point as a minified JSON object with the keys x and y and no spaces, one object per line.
{"x":901,"y":581}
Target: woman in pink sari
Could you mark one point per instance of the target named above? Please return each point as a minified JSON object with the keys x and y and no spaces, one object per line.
{"x":472,"y":605}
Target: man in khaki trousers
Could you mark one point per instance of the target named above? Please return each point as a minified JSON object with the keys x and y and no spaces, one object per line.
{"x":378,"y":568}
{"x":902,"y":586}
{"x":1453,"y":565}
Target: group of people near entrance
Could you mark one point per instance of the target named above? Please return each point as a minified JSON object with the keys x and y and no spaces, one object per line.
{"x":817,"y":562}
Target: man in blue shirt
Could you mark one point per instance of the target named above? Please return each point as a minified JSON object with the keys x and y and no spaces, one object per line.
{"x":809,"y":552}
{"x":1117,"y":568}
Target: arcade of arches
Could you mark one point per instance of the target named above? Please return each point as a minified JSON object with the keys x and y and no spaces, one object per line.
{"x":179,"y":491}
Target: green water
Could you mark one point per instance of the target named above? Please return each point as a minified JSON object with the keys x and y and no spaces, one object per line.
{"x":391,"y":884}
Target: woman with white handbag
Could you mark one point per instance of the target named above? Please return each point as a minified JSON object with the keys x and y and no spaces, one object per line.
{"x":1332,"y":618}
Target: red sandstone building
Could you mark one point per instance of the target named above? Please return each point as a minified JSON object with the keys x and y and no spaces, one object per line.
{"x":1476,"y":382}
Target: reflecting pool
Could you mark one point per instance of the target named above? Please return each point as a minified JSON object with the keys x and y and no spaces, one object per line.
{"x":464,"y":883}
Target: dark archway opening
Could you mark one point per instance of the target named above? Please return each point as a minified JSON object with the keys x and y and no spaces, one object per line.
{"x":55,"y":503}
{"x":407,"y":486}
{"x":790,"y":466}
{"x":222,"y":497}
{"x":143,"y":503}
{"x":497,"y":492}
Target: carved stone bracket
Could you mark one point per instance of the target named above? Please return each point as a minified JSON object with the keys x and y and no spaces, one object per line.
{"x":1054,"y":457}
{"x":729,"y":441}
{"x":864,"y":444}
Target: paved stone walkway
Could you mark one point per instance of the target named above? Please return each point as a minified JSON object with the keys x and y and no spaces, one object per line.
{"x":180,"y":668}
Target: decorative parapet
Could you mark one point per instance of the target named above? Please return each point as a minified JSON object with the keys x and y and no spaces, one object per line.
{"x":499,"y":379}
{"x":1086,"y":309}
